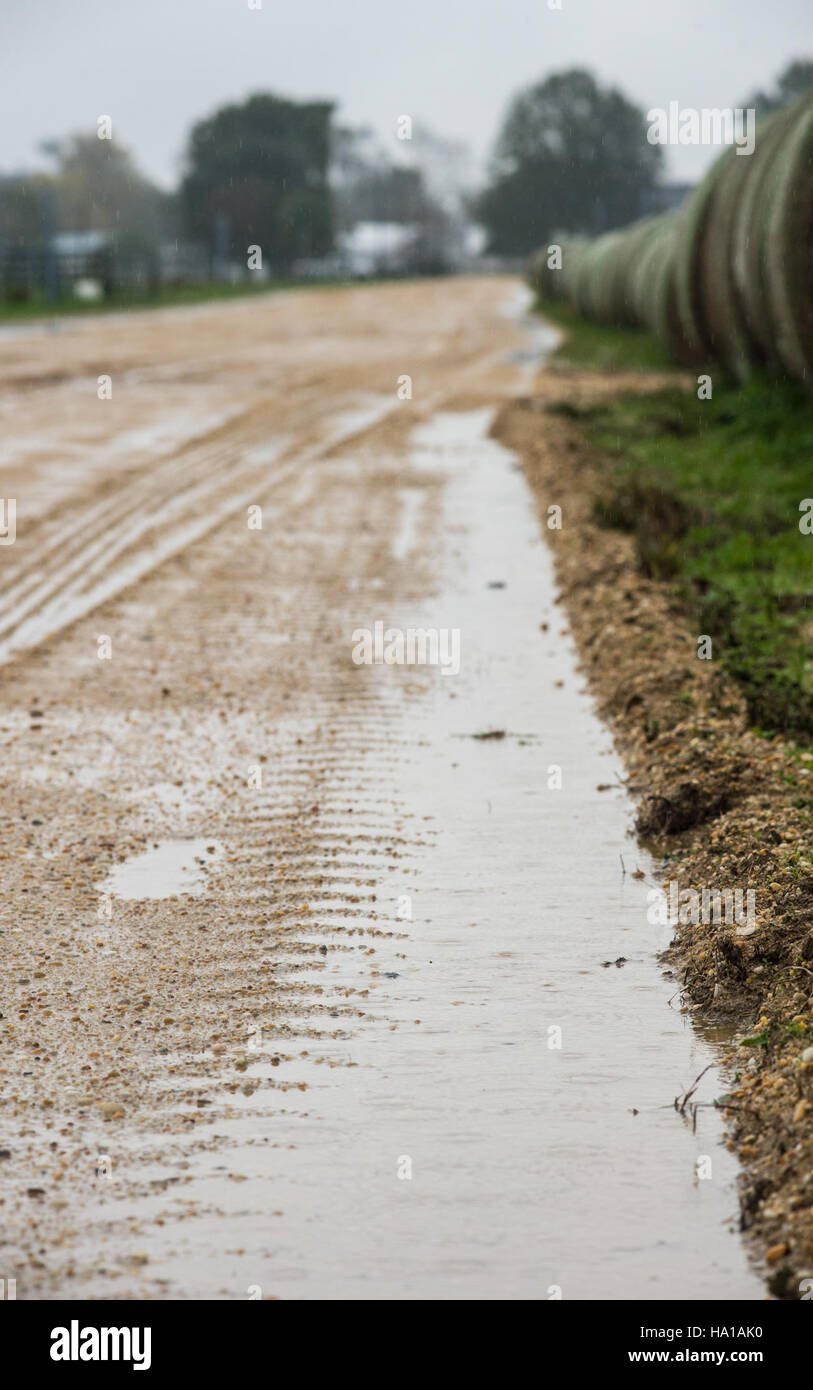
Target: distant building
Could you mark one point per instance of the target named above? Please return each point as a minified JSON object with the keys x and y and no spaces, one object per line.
{"x":378,"y":248}
{"x":107,"y":259}
{"x":80,"y":255}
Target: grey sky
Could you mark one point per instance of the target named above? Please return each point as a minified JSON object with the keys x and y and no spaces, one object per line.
{"x":156,"y":66}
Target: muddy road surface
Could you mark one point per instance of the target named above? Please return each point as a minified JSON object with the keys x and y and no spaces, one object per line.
{"x":320,"y":977}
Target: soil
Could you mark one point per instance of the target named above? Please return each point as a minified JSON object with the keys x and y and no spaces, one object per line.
{"x":228,"y":702}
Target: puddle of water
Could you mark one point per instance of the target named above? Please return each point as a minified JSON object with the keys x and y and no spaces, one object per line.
{"x":165,"y":871}
{"x":541,"y":338}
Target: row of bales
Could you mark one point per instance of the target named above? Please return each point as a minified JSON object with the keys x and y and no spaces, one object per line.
{"x":728,"y":277}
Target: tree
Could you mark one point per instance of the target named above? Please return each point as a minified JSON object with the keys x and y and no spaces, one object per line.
{"x":25,"y":209}
{"x":356,"y":155}
{"x":792,"y":84}
{"x":368,"y":187}
{"x":26,"y":222}
{"x":256,"y":174}
{"x":571,"y":156}
{"x":97,"y":187}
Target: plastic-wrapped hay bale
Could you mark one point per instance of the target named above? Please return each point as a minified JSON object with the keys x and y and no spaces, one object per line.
{"x":578,"y":276}
{"x":603,"y":277}
{"x":611,"y":306}
{"x":625,"y":262}
{"x":663,"y":309}
{"x":652,"y":288}
{"x":612,"y":272}
{"x":723,"y":315}
{"x":643,"y":272}
{"x":590,"y":276}
{"x":727,"y":279}
{"x":788,"y":247}
{"x":574,"y":250}
{"x":543,"y":277}
{"x":578,"y":279}
{"x":751,"y":231}
{"x":693,"y":219}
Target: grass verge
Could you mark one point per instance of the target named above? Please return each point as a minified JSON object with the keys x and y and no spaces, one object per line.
{"x":165,"y":298}
{"x":711,"y":491}
{"x":607,"y":350}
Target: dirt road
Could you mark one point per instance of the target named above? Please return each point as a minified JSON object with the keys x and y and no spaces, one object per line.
{"x":217,"y":831}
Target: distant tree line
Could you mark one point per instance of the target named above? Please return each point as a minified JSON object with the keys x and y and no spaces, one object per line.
{"x":270,"y":173}
{"x":571,"y":155}
{"x":790,"y":85}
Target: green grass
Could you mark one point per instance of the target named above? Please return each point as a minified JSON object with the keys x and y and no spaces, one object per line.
{"x":38,"y":307}
{"x":592,"y":345}
{"x":711,"y":491}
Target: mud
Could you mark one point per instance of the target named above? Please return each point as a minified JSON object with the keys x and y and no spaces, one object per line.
{"x":214,"y":1093}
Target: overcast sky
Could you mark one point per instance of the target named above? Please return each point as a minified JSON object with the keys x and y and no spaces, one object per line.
{"x":156,"y":66}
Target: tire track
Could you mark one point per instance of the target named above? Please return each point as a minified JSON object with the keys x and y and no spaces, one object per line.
{"x":190,"y":502}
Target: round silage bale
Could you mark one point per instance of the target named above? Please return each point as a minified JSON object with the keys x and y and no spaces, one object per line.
{"x":631,"y":248}
{"x":693,"y":222}
{"x":573,"y":253}
{"x":612,"y":306}
{"x":599,"y":276}
{"x":788,"y":247}
{"x":643,"y":273}
{"x":663,"y":310}
{"x":722,"y":311}
{"x":581,"y":280}
{"x":604,"y":275}
{"x":573,"y":250}
{"x":549,"y":282}
{"x":751,"y":230}
{"x":652,"y":286}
